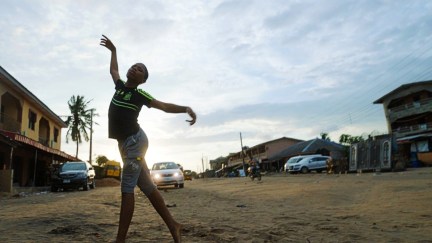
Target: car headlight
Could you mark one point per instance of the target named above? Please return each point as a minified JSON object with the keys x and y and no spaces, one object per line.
{"x":156,"y":176}
{"x":176,"y":174}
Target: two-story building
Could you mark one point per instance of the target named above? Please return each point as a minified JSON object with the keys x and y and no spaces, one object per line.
{"x":30,"y":137}
{"x":262,"y":152}
{"x":408,"y":111}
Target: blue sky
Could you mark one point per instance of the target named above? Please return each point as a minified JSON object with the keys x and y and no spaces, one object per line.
{"x":267,"y":69}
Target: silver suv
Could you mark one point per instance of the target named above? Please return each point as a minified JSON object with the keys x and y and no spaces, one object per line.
{"x":306,"y":163}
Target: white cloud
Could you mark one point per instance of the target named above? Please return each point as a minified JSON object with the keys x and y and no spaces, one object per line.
{"x":265,"y":68}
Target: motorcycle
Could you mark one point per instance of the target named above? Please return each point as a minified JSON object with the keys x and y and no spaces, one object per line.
{"x":254,"y":173}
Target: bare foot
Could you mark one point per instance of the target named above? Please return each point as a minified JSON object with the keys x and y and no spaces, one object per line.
{"x":176,"y":232}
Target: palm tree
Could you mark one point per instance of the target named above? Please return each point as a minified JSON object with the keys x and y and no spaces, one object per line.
{"x":79,"y":121}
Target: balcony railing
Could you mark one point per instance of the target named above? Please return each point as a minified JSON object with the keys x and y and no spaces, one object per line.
{"x":416,"y":104}
{"x":408,"y":110}
{"x":414,"y":128}
{"x":44,"y":141}
{"x":9,"y":124}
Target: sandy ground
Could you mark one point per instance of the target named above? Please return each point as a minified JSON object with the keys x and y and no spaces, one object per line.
{"x":369,"y":207}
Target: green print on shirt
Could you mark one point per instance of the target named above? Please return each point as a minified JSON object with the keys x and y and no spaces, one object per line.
{"x":127,"y":96}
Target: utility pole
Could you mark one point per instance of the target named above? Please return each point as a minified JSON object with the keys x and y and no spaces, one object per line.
{"x":91,"y":136}
{"x":202,"y":162}
{"x":241,"y":144}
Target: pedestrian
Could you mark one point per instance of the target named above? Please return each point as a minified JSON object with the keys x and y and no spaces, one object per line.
{"x":123,"y":126}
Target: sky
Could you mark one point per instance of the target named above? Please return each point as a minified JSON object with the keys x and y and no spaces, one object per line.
{"x":265,"y":69}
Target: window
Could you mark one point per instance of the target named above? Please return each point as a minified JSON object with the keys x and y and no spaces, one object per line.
{"x":32,"y":120}
{"x":56,"y":134}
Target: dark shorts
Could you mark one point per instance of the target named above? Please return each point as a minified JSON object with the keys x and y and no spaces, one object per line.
{"x":135,"y":171}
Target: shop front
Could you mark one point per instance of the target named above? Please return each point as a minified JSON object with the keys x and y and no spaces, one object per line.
{"x":26,"y":164}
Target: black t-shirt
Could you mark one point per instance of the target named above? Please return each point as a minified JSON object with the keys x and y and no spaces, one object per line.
{"x":124,"y":110}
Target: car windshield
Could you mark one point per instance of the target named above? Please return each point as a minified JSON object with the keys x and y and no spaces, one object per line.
{"x":165,"y":166}
{"x":294,"y":160}
{"x":73,"y":166}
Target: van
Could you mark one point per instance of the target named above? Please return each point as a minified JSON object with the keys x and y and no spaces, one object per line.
{"x":306,"y":163}
{"x":112,"y":169}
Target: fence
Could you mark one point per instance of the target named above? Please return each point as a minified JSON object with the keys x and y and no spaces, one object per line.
{"x":373,"y":154}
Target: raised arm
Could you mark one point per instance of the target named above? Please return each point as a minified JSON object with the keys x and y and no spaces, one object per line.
{"x":173,"y":108}
{"x":113,"y":65}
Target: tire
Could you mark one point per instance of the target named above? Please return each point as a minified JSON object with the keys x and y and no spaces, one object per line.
{"x":304,"y":170}
{"x":181,"y":185}
{"x":93,"y":185}
{"x":259,"y":177}
{"x":86,"y":186}
{"x":54,"y":189}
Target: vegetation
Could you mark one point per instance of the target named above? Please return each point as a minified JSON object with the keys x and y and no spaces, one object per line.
{"x":346,"y":139}
{"x":79,"y":121}
{"x":325,"y":136}
{"x":101,"y":160}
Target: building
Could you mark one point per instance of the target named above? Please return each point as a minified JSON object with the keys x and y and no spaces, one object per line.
{"x":262,"y":152}
{"x":313,"y":146}
{"x":30,"y":137}
{"x":408,"y":111}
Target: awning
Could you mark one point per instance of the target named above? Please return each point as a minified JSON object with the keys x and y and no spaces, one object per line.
{"x":25,"y":140}
{"x":7,"y":140}
{"x":408,"y":139}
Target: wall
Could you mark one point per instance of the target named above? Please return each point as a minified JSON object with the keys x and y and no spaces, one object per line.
{"x":6,"y":180}
{"x":25,"y":130}
{"x":277,"y":146}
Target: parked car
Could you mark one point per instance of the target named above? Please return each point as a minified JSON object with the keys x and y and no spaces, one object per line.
{"x":74,"y":174}
{"x":306,"y":163}
{"x":187,"y":175}
{"x":167,"y":173}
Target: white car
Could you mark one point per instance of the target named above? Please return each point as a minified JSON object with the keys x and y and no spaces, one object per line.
{"x":306,"y":163}
{"x":167,"y":173}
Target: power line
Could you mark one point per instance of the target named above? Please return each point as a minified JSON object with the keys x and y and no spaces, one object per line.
{"x":381,"y":84}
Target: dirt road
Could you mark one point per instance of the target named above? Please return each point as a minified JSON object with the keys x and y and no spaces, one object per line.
{"x":386,"y":207}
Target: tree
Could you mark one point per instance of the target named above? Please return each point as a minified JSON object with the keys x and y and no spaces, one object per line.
{"x":79,"y":121}
{"x":325,"y":136}
{"x":347,"y":139}
{"x":101,"y":160}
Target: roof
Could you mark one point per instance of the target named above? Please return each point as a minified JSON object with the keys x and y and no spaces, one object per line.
{"x":18,"y":139}
{"x":401,"y":88}
{"x":30,"y":96}
{"x":308,"y":147}
{"x":268,"y":142}
{"x":278,"y":139}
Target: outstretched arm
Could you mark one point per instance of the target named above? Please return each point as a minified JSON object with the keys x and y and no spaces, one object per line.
{"x":114,"y":65}
{"x":172,"y":108}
